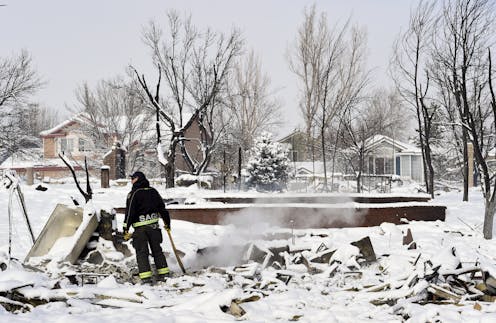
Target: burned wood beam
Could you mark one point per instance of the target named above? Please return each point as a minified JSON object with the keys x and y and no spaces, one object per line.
{"x":440,"y":292}
{"x":233,"y":309}
{"x":366,"y":249}
{"x":311,"y":269}
{"x":14,"y":306}
{"x":377,"y":288}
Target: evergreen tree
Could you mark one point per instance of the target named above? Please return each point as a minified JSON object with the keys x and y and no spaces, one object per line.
{"x":268,"y":165}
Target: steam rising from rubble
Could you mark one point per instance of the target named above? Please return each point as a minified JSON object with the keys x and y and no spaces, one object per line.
{"x":251,"y":224}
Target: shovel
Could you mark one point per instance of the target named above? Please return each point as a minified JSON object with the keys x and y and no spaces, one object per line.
{"x":175,"y":251}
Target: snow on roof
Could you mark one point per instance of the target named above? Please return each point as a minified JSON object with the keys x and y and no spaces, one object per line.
{"x":122,"y":122}
{"x":79,"y":118}
{"x":28,"y":157}
{"x":374,"y":141}
{"x":318,"y":166}
{"x":31,"y":157}
{"x":291,"y":134}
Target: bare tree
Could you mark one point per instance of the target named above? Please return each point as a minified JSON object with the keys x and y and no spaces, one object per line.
{"x":21,"y":125}
{"x":330,"y":64}
{"x":115,"y":112}
{"x":388,"y":110}
{"x":307,"y":59}
{"x":410,"y":69}
{"x":379,"y":114}
{"x":343,"y":81}
{"x":480,"y":152}
{"x":14,"y":135}
{"x":18,"y":79}
{"x":464,"y":30}
{"x":87,"y":103}
{"x":252,"y":106}
{"x":194,"y":66}
{"x":358,"y":126}
{"x":41,"y":118}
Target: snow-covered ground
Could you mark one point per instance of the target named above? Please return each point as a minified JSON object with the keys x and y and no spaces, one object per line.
{"x":206,"y":294}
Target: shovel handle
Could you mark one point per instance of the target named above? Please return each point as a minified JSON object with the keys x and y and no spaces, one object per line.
{"x":175,"y":251}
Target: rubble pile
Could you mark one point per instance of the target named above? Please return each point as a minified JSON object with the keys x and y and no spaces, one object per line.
{"x":269,"y":266}
{"x":24,"y":297}
{"x":355,"y":268}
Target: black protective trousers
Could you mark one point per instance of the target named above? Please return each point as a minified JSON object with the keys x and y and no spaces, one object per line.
{"x":144,"y":236}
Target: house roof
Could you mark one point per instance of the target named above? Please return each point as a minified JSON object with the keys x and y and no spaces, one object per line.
{"x":79,"y":118}
{"x":377,"y":140}
{"x":292,"y":134}
{"x":82,"y":118}
{"x":316,"y":167}
{"x":33,"y":157}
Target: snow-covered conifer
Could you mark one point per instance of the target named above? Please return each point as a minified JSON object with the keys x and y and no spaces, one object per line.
{"x":268,"y":164}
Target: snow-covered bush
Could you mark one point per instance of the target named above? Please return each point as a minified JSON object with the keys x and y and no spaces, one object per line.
{"x":188,"y":180}
{"x":268,"y":165}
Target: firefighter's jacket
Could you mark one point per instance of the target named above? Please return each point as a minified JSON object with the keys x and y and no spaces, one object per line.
{"x":144,"y":206}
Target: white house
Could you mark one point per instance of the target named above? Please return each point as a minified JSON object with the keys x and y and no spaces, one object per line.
{"x":387,"y":156}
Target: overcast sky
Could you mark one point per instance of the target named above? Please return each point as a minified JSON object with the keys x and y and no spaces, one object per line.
{"x":76,"y":41}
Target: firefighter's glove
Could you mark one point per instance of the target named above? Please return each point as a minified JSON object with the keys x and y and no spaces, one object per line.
{"x":127,"y":235}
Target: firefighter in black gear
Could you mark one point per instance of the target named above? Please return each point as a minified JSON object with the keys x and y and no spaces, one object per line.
{"x":144,"y":206}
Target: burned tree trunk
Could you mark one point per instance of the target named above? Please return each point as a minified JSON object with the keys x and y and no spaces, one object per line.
{"x":89,"y":192}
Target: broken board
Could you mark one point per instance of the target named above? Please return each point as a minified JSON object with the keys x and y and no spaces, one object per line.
{"x":63,"y":222}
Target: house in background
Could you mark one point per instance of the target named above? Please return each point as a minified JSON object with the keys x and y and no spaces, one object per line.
{"x":71,"y":138}
{"x":384,"y":156}
{"x":68,"y":138}
{"x":298,"y":146}
{"x":387,"y":156}
{"x":193,"y":145}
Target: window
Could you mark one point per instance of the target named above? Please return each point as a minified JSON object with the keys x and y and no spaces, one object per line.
{"x":84,"y":145}
{"x":295,"y":155}
{"x":379,"y":166}
{"x":370,"y":169}
{"x":388,"y":166}
{"x":66,"y":144}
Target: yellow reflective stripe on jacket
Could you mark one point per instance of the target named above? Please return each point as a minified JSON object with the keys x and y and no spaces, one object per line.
{"x":139,"y":224}
{"x":163,"y":271}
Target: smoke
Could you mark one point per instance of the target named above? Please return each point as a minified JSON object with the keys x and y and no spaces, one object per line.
{"x":219,"y":256}
{"x":309,"y":211}
{"x":241,"y":229}
{"x":261,"y":219}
